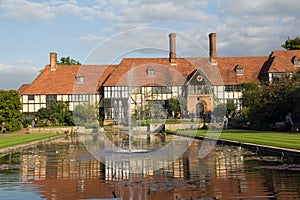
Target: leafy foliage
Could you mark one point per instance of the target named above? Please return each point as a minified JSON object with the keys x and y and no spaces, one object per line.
{"x":292,"y":44}
{"x":10,"y":106}
{"x":250,"y":90}
{"x":68,"y":61}
{"x":173,"y":105}
{"x":219,"y":112}
{"x":270,"y":102}
{"x":86,"y":115}
{"x":58,"y":114}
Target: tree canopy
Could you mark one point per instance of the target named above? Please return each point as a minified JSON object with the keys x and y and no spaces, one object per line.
{"x":292,"y":44}
{"x":270,"y":101}
{"x":58,"y":114}
{"x":10,"y":106}
{"x":68,"y":61}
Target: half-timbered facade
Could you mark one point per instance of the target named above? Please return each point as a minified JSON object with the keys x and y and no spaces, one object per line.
{"x":137,"y":83}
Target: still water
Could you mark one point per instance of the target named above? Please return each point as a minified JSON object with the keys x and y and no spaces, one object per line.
{"x":64,"y":169}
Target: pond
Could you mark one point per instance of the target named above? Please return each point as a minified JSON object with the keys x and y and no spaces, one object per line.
{"x":68,"y":168}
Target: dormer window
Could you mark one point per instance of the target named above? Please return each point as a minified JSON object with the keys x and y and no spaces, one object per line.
{"x":297,"y":61}
{"x":150,"y":72}
{"x":239,"y":70}
{"x":79,"y":79}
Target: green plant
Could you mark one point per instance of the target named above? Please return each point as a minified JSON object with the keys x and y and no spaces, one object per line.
{"x":10,"y":106}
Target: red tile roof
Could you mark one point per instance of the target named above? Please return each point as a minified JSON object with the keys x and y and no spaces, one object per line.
{"x":133,"y":71}
{"x":94,"y":77}
{"x":281,"y":61}
{"x":23,"y":88}
{"x":250,"y":65}
{"x":62,"y":80}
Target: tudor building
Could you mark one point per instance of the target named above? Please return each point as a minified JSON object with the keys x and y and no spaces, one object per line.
{"x":138,"y":83}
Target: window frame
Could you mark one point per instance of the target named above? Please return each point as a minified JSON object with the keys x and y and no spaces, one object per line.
{"x":30,"y":97}
{"x":79,"y":79}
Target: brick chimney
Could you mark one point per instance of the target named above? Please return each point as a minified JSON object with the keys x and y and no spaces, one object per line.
{"x":53,"y":61}
{"x":172,"y":53}
{"x":212,"y":48}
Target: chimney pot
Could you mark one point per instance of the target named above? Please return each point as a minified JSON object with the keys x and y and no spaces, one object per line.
{"x":172,"y":53}
{"x":212,"y":48}
{"x":53,"y":61}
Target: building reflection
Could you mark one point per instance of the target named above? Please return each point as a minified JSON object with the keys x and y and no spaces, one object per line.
{"x":223,"y":174}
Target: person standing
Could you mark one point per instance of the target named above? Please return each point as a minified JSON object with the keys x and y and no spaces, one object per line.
{"x":210,"y":117}
{"x":32,"y":123}
{"x":3,"y":128}
{"x":225,"y":122}
{"x":288,"y":122}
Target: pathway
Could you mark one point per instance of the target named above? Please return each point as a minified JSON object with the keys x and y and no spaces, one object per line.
{"x":19,"y":132}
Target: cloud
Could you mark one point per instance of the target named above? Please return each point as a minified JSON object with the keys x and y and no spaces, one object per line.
{"x":12,"y":77}
{"x":289,"y":19}
{"x":258,"y":7}
{"x":249,"y":27}
{"x":91,"y":37}
{"x":26,"y":10}
{"x":8,"y":69}
{"x":24,"y":61}
{"x":163,"y":11}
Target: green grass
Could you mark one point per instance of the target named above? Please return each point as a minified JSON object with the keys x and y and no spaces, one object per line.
{"x":9,"y":141}
{"x":282,"y":140}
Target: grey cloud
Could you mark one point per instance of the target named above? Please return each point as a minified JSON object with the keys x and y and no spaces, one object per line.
{"x":26,"y":10}
{"x":25,"y":61}
{"x":163,"y":11}
{"x":12,"y":77}
{"x":258,"y":7}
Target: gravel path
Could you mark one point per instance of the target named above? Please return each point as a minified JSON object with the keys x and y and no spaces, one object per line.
{"x":19,"y":132}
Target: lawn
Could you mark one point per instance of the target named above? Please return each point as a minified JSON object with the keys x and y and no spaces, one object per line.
{"x":282,"y":140}
{"x":13,"y":140}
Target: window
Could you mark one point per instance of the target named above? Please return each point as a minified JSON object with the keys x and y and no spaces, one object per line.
{"x":50,"y":99}
{"x":116,"y":92}
{"x":233,"y":88}
{"x":30,"y":97}
{"x":240,"y":71}
{"x":79,"y":97}
{"x":297,"y":62}
{"x":198,"y":89}
{"x":79,"y":79}
{"x":150,"y":72}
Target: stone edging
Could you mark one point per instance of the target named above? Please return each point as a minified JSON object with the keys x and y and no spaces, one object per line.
{"x":257,"y":147}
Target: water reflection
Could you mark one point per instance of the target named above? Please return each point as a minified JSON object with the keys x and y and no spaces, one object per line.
{"x":64,"y":169}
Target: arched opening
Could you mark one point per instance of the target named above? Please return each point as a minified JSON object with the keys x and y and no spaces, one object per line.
{"x":201,"y":109}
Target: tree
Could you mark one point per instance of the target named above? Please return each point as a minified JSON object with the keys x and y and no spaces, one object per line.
{"x":271,"y":101}
{"x":173,"y":104}
{"x":250,"y":91}
{"x":58,"y":114}
{"x":68,"y":61}
{"x":292,"y":44}
{"x":86,"y":115}
{"x":296,"y":109}
{"x":62,"y":113}
{"x":10,"y":106}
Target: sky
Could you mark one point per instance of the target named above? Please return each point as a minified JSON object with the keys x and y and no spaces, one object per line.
{"x":105,"y":31}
